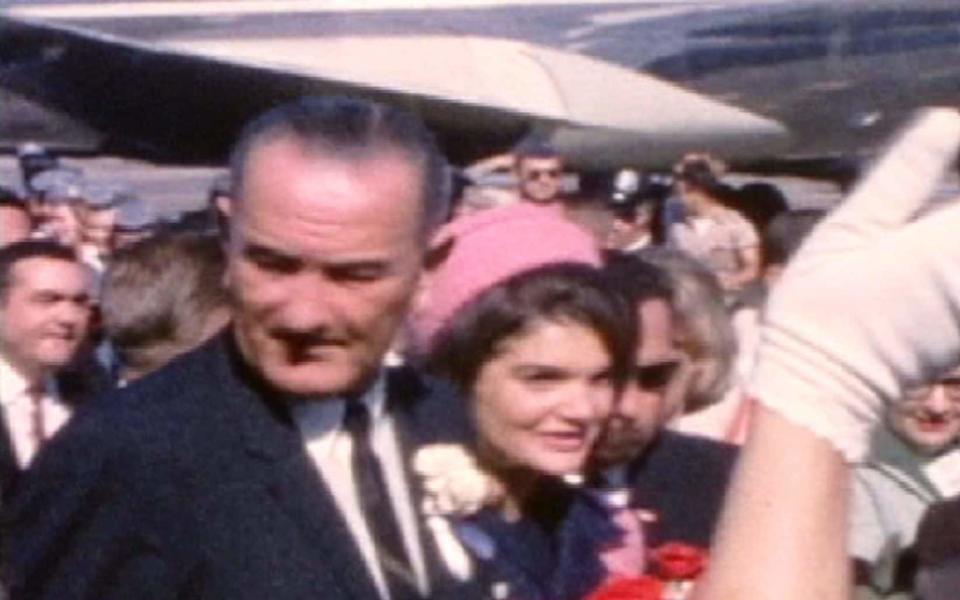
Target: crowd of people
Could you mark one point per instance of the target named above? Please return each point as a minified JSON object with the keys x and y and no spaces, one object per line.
{"x":356,"y":375}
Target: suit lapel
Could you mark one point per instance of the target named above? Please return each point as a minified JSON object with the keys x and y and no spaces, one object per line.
{"x":9,"y":467}
{"x":294,"y":483}
{"x":404,"y":394}
{"x":425,"y":415}
{"x":301,"y":493}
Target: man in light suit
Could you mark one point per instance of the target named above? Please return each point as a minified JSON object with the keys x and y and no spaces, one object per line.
{"x":272,"y":462}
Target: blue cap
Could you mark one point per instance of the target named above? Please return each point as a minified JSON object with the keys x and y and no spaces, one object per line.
{"x":135,"y":215}
{"x":58,"y":185}
{"x":100,"y":196}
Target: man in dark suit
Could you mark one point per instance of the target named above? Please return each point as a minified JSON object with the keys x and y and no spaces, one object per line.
{"x":680,"y":480}
{"x":44,"y":318}
{"x":271,"y":462}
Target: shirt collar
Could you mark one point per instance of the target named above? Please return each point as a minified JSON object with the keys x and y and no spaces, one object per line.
{"x":321,"y":421}
{"x":14,"y":386}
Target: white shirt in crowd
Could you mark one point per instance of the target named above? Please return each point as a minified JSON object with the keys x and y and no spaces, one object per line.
{"x":331,"y":448}
{"x":30,"y":419}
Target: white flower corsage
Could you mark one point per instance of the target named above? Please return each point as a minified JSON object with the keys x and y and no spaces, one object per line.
{"x":454,"y":486}
{"x":453,"y":482}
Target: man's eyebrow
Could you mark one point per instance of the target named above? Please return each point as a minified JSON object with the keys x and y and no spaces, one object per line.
{"x":257,"y":249}
{"x":59,"y":294}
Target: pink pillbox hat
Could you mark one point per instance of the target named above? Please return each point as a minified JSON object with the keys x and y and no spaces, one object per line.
{"x":488,"y":248}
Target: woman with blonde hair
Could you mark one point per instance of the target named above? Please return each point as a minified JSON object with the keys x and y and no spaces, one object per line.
{"x":704,"y":330}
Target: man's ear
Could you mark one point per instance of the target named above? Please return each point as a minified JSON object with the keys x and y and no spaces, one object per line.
{"x":225,"y":206}
{"x":437,"y":254}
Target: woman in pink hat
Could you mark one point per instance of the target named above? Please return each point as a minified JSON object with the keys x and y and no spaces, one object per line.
{"x":521,"y":320}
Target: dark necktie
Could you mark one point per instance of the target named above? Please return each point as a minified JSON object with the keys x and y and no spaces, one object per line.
{"x":377,"y":510}
{"x":37,"y":427}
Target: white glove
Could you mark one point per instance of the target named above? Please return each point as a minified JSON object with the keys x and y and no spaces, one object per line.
{"x":871,"y":303}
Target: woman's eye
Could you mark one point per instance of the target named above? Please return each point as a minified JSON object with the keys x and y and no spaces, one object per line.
{"x":541,"y":375}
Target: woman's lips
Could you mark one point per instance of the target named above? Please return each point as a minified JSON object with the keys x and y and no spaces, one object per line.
{"x":566,"y":441}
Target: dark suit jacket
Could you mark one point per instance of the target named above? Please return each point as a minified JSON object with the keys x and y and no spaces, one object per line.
{"x":683,"y":479}
{"x":195,"y":483}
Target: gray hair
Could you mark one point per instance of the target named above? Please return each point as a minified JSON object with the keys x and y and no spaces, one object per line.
{"x":350,"y":127}
{"x":710,"y":339}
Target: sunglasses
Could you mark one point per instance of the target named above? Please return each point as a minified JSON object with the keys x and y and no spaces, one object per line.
{"x":950,"y":385}
{"x":534,"y":174}
{"x":655,"y":376}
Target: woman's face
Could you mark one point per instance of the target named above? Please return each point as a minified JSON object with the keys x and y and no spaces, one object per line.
{"x":542,"y":399}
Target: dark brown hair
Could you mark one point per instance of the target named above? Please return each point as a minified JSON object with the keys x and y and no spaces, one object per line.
{"x":559,"y":292}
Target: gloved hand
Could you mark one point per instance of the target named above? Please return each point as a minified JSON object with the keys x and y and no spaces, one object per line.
{"x":871,"y":303}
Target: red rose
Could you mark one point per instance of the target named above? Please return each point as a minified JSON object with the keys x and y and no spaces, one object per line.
{"x":676,"y":560}
{"x":632,"y":588}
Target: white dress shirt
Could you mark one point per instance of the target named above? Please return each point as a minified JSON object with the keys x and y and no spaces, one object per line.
{"x":19,"y":411}
{"x":331,"y":449}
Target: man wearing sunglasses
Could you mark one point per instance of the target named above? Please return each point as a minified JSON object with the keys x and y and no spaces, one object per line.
{"x":678,"y":478}
{"x":539,"y":171}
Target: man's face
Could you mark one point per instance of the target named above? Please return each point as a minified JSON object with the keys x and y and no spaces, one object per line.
{"x":653,"y":391}
{"x":44,"y":317}
{"x":628,"y":227}
{"x":39,"y":208}
{"x":15,"y":225}
{"x":62,"y":222}
{"x":928,"y":418}
{"x":540,"y":178}
{"x":323,"y":257}
{"x":97,"y":227}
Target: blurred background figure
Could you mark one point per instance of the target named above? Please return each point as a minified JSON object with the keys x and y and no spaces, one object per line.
{"x":703,"y":330}
{"x":53,"y":203}
{"x":15,"y":221}
{"x":96,"y":215}
{"x":912,"y":463}
{"x":33,"y":159}
{"x":714,"y":234}
{"x":728,"y":419}
{"x":480,"y":189}
{"x":162,"y":296}
{"x":135,"y":220}
{"x":631,"y":226}
{"x":539,"y":170}
{"x":938,"y":551}
{"x":759,"y":202}
{"x":635,"y":203}
{"x":781,"y":240}
{"x":217,"y":200}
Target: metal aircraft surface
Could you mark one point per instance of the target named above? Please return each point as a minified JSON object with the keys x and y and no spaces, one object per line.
{"x":611,"y":83}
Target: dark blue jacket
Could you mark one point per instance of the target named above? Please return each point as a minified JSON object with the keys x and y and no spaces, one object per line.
{"x":550,"y":554}
{"x":194,"y":483}
{"x":683,"y":480}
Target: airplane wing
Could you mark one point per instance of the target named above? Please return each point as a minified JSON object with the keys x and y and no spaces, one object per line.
{"x":185,"y":98}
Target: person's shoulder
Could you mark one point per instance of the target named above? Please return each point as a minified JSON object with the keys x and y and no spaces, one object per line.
{"x":676,"y":441}
{"x":154,"y":414}
{"x":175,"y":386}
{"x":676,"y":451}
